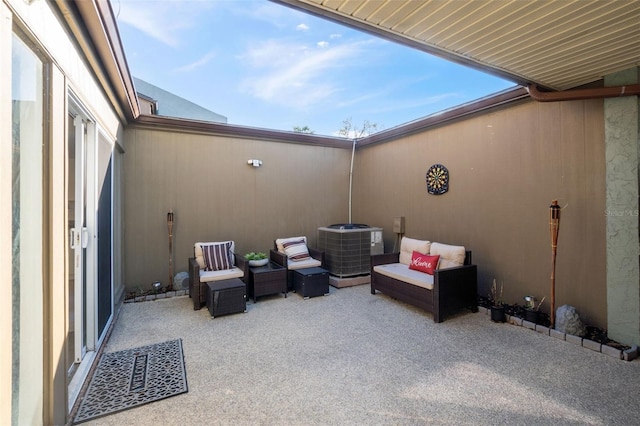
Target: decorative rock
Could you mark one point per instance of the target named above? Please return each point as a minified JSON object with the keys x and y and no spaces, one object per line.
{"x":568,"y":321}
{"x":181,"y":281}
{"x":515,"y":320}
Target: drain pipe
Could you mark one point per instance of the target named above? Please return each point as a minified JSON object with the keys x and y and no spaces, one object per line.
{"x":353,"y":152}
{"x":574,"y":95}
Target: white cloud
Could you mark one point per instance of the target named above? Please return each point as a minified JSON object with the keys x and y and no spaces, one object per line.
{"x":335,"y":36}
{"x":302,"y":27}
{"x":197,"y":64}
{"x":323,"y":44}
{"x":165,"y":21}
{"x":294,"y":75}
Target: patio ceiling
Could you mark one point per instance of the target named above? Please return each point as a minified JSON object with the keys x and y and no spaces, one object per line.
{"x":556,"y":44}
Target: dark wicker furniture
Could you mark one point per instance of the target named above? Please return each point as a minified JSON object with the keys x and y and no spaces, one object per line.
{"x":226,"y":297}
{"x":281,"y":259}
{"x":197,"y":289}
{"x":311,"y":282}
{"x":268,"y":279}
{"x":453,"y":288}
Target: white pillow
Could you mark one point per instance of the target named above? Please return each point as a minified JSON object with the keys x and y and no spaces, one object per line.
{"x":409,"y":245}
{"x":450,"y":256}
{"x":296,"y":250}
{"x":280,"y":241}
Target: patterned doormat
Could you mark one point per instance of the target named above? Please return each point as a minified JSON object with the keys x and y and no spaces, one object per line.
{"x":134,"y":377}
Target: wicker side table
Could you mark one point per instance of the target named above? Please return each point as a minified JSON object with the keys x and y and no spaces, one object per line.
{"x":268,"y":279}
{"x":226,"y":297}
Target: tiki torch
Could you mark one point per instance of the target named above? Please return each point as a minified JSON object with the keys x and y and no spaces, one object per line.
{"x":170,"y":227}
{"x":554,"y":228}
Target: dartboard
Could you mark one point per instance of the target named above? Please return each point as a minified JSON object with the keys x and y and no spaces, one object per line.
{"x":437,"y":179}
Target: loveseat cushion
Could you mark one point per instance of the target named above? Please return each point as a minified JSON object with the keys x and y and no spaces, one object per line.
{"x":400,"y":271}
{"x":226,"y":274}
{"x":199,"y":255}
{"x":450,"y":256}
{"x":409,"y":245}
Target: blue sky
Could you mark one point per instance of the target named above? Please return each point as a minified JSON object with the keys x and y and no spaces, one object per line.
{"x":261,"y":64}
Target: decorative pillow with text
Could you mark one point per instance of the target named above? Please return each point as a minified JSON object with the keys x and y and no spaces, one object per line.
{"x":424,"y":262}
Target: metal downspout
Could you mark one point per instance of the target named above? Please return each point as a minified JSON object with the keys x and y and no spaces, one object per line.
{"x":574,"y":95}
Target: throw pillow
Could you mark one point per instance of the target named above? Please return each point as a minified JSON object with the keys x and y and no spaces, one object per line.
{"x":217,"y":257}
{"x":296,"y":250}
{"x":424,"y":262}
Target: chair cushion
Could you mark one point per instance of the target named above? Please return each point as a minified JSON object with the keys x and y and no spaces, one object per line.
{"x":280,"y":242}
{"x":409,"y":245}
{"x":302,"y":264}
{"x":400,"y":271}
{"x":296,"y":250}
{"x":424,"y":262}
{"x":216,"y":255}
{"x":226,"y":274}
{"x":450,"y":256}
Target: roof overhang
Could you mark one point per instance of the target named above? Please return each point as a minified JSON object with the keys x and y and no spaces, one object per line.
{"x":557,"y":45}
{"x":94,"y":26}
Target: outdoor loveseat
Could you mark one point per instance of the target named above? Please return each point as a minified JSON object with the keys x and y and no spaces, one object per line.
{"x":451,"y":286}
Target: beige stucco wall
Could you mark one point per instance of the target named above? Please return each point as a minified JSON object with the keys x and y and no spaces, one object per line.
{"x":505,"y":169}
{"x":217,"y":196}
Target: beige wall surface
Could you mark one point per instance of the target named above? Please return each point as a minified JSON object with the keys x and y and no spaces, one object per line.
{"x":217,"y":196}
{"x":505,"y":169}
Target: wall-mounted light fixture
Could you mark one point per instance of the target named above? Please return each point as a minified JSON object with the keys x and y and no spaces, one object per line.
{"x":254,"y":163}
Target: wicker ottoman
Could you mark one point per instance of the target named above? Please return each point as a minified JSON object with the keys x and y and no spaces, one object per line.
{"x":311,"y":282}
{"x":226,"y":297}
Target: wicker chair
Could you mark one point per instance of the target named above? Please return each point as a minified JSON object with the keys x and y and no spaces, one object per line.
{"x":279,"y":256}
{"x":205,"y":266}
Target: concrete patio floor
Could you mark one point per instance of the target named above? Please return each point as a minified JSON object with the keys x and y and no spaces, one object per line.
{"x":356,"y":358}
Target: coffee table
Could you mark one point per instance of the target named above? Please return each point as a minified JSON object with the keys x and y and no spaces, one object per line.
{"x":268,"y":279}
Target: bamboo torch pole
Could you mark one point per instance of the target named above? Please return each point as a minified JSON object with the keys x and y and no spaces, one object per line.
{"x":170,"y":227}
{"x":554,"y":228}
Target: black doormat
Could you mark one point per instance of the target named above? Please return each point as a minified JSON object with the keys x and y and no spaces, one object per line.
{"x":134,"y":377}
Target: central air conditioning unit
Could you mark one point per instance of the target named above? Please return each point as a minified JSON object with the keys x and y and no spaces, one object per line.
{"x":347,"y":248}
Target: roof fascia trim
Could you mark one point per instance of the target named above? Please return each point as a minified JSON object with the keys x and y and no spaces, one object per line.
{"x":499,"y":99}
{"x":245,"y":132}
{"x":104,"y":51}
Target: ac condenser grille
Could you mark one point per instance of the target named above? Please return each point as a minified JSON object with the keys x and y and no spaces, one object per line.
{"x":348,"y":251}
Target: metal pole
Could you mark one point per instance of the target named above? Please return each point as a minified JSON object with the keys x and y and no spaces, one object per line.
{"x":554,"y":229}
{"x":170,"y":227}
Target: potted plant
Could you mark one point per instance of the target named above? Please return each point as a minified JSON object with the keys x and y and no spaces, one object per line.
{"x":256,"y":259}
{"x":532,"y":310}
{"x":497,"y":308}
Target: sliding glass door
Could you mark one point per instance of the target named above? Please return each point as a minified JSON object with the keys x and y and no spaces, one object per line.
{"x":90,"y":283}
